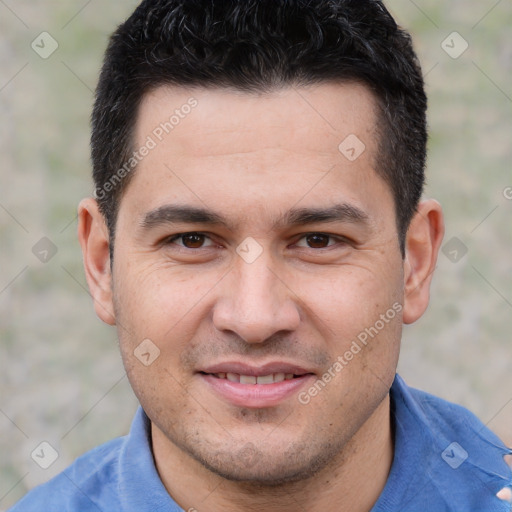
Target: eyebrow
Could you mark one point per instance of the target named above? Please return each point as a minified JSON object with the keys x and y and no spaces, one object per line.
{"x":337,"y":213}
{"x":174,"y":214}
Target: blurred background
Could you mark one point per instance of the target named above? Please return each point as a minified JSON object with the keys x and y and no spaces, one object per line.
{"x":61,"y":378}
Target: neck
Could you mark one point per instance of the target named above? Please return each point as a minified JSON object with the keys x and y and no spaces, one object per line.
{"x":353,"y":480}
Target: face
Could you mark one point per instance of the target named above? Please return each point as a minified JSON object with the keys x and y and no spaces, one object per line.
{"x":259,"y":260}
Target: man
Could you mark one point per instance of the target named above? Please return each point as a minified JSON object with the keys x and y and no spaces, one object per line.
{"x":258,"y":239}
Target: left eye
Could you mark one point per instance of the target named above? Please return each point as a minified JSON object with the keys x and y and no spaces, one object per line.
{"x":316,"y":241}
{"x":191,"y":240}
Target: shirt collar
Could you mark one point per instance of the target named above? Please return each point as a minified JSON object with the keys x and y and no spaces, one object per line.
{"x":443,"y":454}
{"x":140,"y":486}
{"x":424,"y":428}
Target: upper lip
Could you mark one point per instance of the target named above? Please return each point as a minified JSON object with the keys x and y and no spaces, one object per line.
{"x":255,"y":370}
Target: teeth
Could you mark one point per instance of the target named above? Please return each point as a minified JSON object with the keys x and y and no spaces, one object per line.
{"x":265,"y":379}
{"x":251,"y":379}
{"x":278,"y":377}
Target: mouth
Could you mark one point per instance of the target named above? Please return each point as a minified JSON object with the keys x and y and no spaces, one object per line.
{"x":255,"y":387}
{"x":271,"y":378}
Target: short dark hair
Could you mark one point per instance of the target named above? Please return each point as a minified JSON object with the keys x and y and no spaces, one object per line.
{"x":258,"y":46}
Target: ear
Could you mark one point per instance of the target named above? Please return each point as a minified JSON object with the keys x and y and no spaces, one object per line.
{"x":423,"y":241}
{"x":94,"y":240}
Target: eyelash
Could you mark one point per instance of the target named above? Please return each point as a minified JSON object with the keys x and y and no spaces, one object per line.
{"x":172,"y":239}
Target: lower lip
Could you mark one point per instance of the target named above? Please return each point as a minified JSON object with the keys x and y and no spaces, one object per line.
{"x":256,"y":395}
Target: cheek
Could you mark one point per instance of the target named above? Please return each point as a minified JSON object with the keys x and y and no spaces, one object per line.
{"x":346,"y":310}
{"x":149,"y":295}
{"x":346,"y":300}
{"x":161,"y":303}
{"x":155,"y":309}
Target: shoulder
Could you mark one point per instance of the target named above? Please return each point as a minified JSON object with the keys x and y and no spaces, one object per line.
{"x":462,"y":458}
{"x":448,"y":421}
{"x":118,"y":475}
{"x":86,"y":485}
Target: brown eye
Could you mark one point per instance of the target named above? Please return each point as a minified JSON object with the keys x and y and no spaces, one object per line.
{"x":191,"y":240}
{"x":317,"y":240}
{"x":320,"y":241}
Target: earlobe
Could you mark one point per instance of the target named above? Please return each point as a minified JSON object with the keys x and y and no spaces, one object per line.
{"x":94,"y":240}
{"x":423,"y":241}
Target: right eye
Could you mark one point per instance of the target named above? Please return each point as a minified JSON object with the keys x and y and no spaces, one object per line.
{"x":192,"y":240}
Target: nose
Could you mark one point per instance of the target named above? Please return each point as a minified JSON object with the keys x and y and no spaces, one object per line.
{"x":255,"y":303}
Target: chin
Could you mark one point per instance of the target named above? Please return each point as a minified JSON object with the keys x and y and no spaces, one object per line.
{"x":253,"y":467}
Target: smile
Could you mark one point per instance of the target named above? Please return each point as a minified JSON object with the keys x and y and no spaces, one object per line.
{"x":271,"y":378}
{"x":249,"y":386}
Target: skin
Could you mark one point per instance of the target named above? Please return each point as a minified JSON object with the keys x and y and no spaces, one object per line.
{"x":251,"y":158}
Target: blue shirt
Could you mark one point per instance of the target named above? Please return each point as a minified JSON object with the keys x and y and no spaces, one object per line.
{"x":445,"y":460}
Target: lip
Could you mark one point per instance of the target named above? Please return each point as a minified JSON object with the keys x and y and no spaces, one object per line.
{"x":255,"y":371}
{"x":255,"y":395}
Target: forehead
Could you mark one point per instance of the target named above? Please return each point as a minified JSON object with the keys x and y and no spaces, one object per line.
{"x":314,"y":117}
{"x":291,"y":145}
